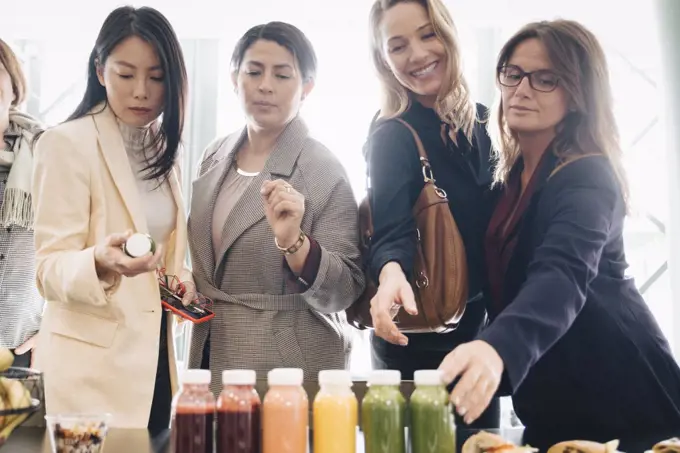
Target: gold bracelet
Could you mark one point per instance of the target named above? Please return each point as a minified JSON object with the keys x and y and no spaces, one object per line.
{"x":293,"y":248}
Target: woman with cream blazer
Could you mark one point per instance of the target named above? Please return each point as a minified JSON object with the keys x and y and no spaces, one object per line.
{"x":98,"y":344}
{"x":106,"y":345}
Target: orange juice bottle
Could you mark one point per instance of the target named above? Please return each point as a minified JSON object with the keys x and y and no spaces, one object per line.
{"x":335,"y":413}
{"x":285,"y":413}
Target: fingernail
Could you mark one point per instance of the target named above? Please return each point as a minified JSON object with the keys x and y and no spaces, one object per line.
{"x":456,"y":401}
{"x":461,"y":411}
{"x":403,"y":342}
{"x":467,"y":420}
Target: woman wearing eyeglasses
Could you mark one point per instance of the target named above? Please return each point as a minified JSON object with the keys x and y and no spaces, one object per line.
{"x":570,"y":336}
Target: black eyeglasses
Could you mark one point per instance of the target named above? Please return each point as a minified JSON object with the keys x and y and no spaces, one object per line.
{"x":543,"y":80}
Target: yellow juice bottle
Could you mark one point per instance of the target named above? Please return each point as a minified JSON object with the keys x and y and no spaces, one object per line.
{"x":335,"y":413}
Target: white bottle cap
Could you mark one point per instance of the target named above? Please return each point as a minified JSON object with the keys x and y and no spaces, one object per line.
{"x":384,"y":377}
{"x":196,"y":377}
{"x":139,"y":244}
{"x":428,"y":377}
{"x":335,"y":377}
{"x":239,"y":377}
{"x":285,"y":376}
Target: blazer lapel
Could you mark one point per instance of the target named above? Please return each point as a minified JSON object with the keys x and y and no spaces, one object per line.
{"x":522,"y":226}
{"x":174,"y":252}
{"x":249,"y":209}
{"x":115,"y":156}
{"x":203,"y":197}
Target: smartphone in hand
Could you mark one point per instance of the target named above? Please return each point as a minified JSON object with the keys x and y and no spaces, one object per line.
{"x":192,"y":312}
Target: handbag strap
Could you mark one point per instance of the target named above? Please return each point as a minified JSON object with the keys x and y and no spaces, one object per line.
{"x":428,"y":176}
{"x":426,"y":168}
{"x":419,"y":144}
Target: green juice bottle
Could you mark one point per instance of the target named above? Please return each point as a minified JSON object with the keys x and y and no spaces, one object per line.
{"x":383,"y":414}
{"x":433,"y":427}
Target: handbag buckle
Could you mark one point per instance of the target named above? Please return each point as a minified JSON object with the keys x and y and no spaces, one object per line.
{"x":427,"y":170}
{"x":422,"y":281}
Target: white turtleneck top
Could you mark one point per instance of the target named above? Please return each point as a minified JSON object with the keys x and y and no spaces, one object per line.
{"x":157,"y":200}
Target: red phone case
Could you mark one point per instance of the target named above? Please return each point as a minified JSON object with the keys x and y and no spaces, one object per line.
{"x":184,"y":313}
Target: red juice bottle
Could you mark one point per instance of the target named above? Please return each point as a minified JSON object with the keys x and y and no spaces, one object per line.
{"x":238,"y":413}
{"x":193,"y":412}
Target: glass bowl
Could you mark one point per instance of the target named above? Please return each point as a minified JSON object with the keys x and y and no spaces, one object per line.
{"x":78,"y":433}
{"x":21,"y":395}
{"x":32,"y":381}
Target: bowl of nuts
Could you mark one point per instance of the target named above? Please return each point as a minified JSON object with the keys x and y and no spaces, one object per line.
{"x":78,"y":433}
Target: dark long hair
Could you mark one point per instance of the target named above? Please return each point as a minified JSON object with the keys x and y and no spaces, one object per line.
{"x":151,"y":26}
{"x":285,"y":35}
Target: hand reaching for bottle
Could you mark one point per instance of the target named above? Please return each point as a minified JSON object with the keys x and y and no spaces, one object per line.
{"x":394,"y":291}
{"x":479,"y":368}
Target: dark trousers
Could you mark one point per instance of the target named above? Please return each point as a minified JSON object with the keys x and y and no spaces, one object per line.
{"x":23,"y":360}
{"x":426,"y":351}
{"x":205,"y":356}
{"x":159,"y":418}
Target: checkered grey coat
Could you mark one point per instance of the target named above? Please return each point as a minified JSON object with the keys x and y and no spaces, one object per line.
{"x":260,"y":323}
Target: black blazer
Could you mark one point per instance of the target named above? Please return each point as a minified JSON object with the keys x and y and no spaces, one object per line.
{"x":583,"y":354}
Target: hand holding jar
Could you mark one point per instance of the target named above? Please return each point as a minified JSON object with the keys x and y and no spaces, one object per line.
{"x":111,"y":259}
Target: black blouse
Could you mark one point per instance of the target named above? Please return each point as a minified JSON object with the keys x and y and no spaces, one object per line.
{"x":463,"y":171}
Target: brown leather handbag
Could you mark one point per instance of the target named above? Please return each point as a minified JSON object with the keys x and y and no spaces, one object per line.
{"x":440,"y":273}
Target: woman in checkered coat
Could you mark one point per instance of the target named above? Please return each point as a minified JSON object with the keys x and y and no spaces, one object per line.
{"x":20,"y":303}
{"x":273,"y":225}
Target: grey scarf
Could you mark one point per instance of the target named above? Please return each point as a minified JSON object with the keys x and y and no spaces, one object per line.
{"x":16,"y":156}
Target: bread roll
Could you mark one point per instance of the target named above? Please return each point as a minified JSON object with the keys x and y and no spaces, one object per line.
{"x":584,"y":446}
{"x":485,"y":442}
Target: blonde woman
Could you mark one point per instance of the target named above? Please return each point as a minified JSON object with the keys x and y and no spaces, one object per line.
{"x":570,"y":334}
{"x":416,"y":54}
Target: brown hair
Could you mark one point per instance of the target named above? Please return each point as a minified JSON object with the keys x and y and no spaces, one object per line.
{"x":589,"y":127}
{"x":453,"y":103}
{"x":13,"y":66}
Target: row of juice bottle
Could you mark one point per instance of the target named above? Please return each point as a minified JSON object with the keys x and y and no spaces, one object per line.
{"x":280,"y":423}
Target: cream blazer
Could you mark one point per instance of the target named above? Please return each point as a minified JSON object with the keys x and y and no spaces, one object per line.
{"x":98,"y":344}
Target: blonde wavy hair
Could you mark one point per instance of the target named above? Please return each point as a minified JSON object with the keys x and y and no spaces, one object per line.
{"x":589,"y":127}
{"x":453,"y":104}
